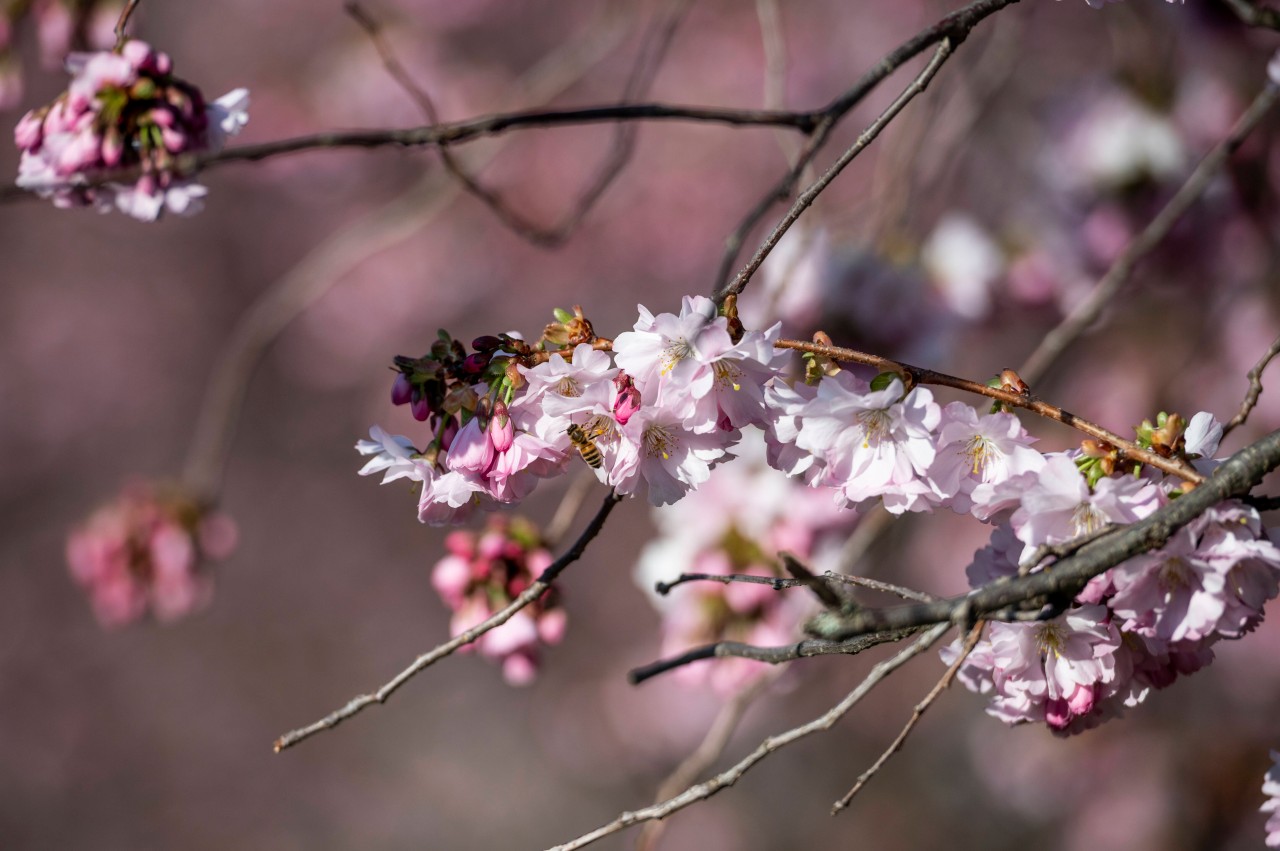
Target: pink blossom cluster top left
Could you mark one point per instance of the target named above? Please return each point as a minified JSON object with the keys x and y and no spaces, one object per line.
{"x":125,"y":113}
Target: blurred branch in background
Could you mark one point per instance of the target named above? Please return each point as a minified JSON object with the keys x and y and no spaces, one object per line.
{"x":1088,"y":311}
{"x":1255,"y":14}
{"x":653,"y":49}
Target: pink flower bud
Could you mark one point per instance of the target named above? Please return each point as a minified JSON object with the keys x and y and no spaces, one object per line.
{"x":112,"y":147}
{"x":449,"y":433}
{"x":552,"y":625}
{"x":460,"y":543}
{"x":502,"y":430}
{"x":472,"y":450}
{"x":420,"y":408}
{"x":476,"y":363}
{"x":628,"y":401}
{"x":30,"y":131}
{"x":519,"y":670}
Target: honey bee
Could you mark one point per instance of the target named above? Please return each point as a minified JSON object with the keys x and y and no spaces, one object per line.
{"x":585,"y":445}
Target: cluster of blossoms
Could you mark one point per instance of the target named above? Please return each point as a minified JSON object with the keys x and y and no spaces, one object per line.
{"x":482,"y":574}
{"x":1136,"y":627}
{"x":737,"y":523}
{"x":673,"y":400}
{"x":145,"y":551}
{"x":653,"y":418}
{"x":124,"y":111}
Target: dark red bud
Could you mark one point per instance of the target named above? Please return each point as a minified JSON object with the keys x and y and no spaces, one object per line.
{"x":401,"y":390}
{"x":421,"y":409}
{"x":487,"y":343}
{"x":476,"y":364}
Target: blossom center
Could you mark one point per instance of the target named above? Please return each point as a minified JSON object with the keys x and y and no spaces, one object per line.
{"x":1086,"y":519}
{"x":875,"y":426}
{"x":727,"y":374}
{"x":674,"y":352}
{"x":569,"y":386}
{"x":659,"y":440}
{"x":1051,"y":638}
{"x":1174,"y":575}
{"x":979,"y":451}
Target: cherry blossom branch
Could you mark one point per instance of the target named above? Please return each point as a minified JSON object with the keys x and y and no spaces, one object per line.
{"x":806,"y":199}
{"x":954,"y":27}
{"x":916,"y":714}
{"x":539,"y":587}
{"x":123,"y":21}
{"x":1234,"y":478}
{"x":779,"y":583}
{"x":773,"y":655}
{"x":1255,"y":389}
{"x":1255,"y":15}
{"x":732,"y":775}
{"x":1088,"y":311}
{"x":920,"y":375}
{"x":643,"y":72}
{"x":706,"y":753}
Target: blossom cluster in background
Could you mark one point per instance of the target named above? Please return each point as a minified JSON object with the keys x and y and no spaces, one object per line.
{"x":737,"y":522}
{"x":124,"y":111}
{"x":481,"y":574}
{"x":145,"y":551}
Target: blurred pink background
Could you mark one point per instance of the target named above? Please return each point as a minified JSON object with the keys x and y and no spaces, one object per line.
{"x":160,"y":737}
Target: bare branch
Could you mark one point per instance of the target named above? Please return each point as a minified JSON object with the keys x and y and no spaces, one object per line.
{"x":779,"y":583}
{"x":773,"y":655}
{"x":916,"y":714}
{"x":1087,"y":312}
{"x":529,"y":595}
{"x":1234,"y":478}
{"x":920,"y":375}
{"x":955,"y":26}
{"x":731,"y":776}
{"x":918,"y":85}
{"x":123,"y":21}
{"x":1255,"y":389}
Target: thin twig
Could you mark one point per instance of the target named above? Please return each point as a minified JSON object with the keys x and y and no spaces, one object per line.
{"x":1235,"y":477}
{"x":706,"y":753}
{"x":727,"y":778}
{"x":916,"y":714}
{"x":955,"y":26}
{"x":779,"y":583}
{"x":802,"y":203}
{"x":1255,"y":389}
{"x":920,"y":375}
{"x":772,"y":655}
{"x":526,"y":597}
{"x":1087,"y":312}
{"x":123,"y":21}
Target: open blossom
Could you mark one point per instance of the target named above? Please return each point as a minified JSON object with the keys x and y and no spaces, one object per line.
{"x":124,"y":111}
{"x":1060,"y":505}
{"x":690,"y":364}
{"x":483,"y":573}
{"x":144,"y":552}
{"x":872,"y":443}
{"x":976,"y":455}
{"x":1054,"y":671}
